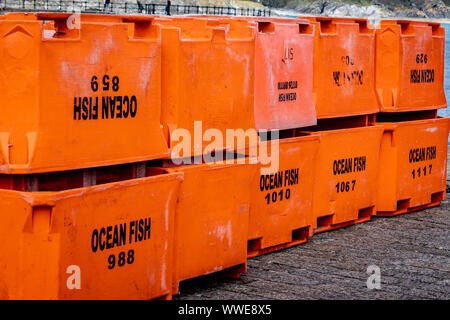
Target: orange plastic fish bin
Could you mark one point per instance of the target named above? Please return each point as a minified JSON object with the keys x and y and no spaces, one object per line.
{"x":211,"y":221}
{"x":410,"y":65}
{"x":283,"y":70}
{"x":281,"y":211}
{"x":345,"y":183}
{"x":77,"y":91}
{"x":344,"y":67}
{"x":413,"y":165}
{"x":207,"y":76}
{"x":283,"y":74}
{"x":112,"y":241}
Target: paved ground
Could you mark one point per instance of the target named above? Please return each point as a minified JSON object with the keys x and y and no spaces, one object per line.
{"x":412,"y":252}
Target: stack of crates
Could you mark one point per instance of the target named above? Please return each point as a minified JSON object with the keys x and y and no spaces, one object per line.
{"x":214,"y":200}
{"x":281,"y":195}
{"x":109,"y":191}
{"x":345,"y":100}
{"x":409,"y":83}
{"x":80,"y":113}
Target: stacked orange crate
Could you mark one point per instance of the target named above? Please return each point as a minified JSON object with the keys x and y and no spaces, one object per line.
{"x":409,"y":82}
{"x":281,"y":208}
{"x":77,"y":99}
{"x":345,"y":101}
{"x":207,"y":87}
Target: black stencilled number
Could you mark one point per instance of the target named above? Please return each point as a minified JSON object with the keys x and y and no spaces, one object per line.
{"x":122,"y":259}
{"x":111,"y":261}
{"x":94,"y":83}
{"x":421,"y":171}
{"x":130,"y":257}
{"x":288,"y":193}
{"x":288,"y":54}
{"x":347,"y":60}
{"x":274,"y":197}
{"x":278,"y":196}
{"x":345,"y":186}
{"x":105,"y":82}
{"x":421,"y":58}
{"x":115,"y":82}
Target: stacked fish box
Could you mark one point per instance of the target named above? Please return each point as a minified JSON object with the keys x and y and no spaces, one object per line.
{"x":409,"y":83}
{"x":80,"y":113}
{"x":345,"y":100}
{"x":137,"y":152}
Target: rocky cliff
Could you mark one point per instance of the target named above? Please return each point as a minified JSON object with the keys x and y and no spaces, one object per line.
{"x":367,"y":8}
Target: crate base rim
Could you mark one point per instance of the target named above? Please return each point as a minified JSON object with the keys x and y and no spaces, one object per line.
{"x":276,"y":248}
{"x":233,"y":272}
{"x":341,"y":225}
{"x":411,"y":109}
{"x":407,"y":210}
